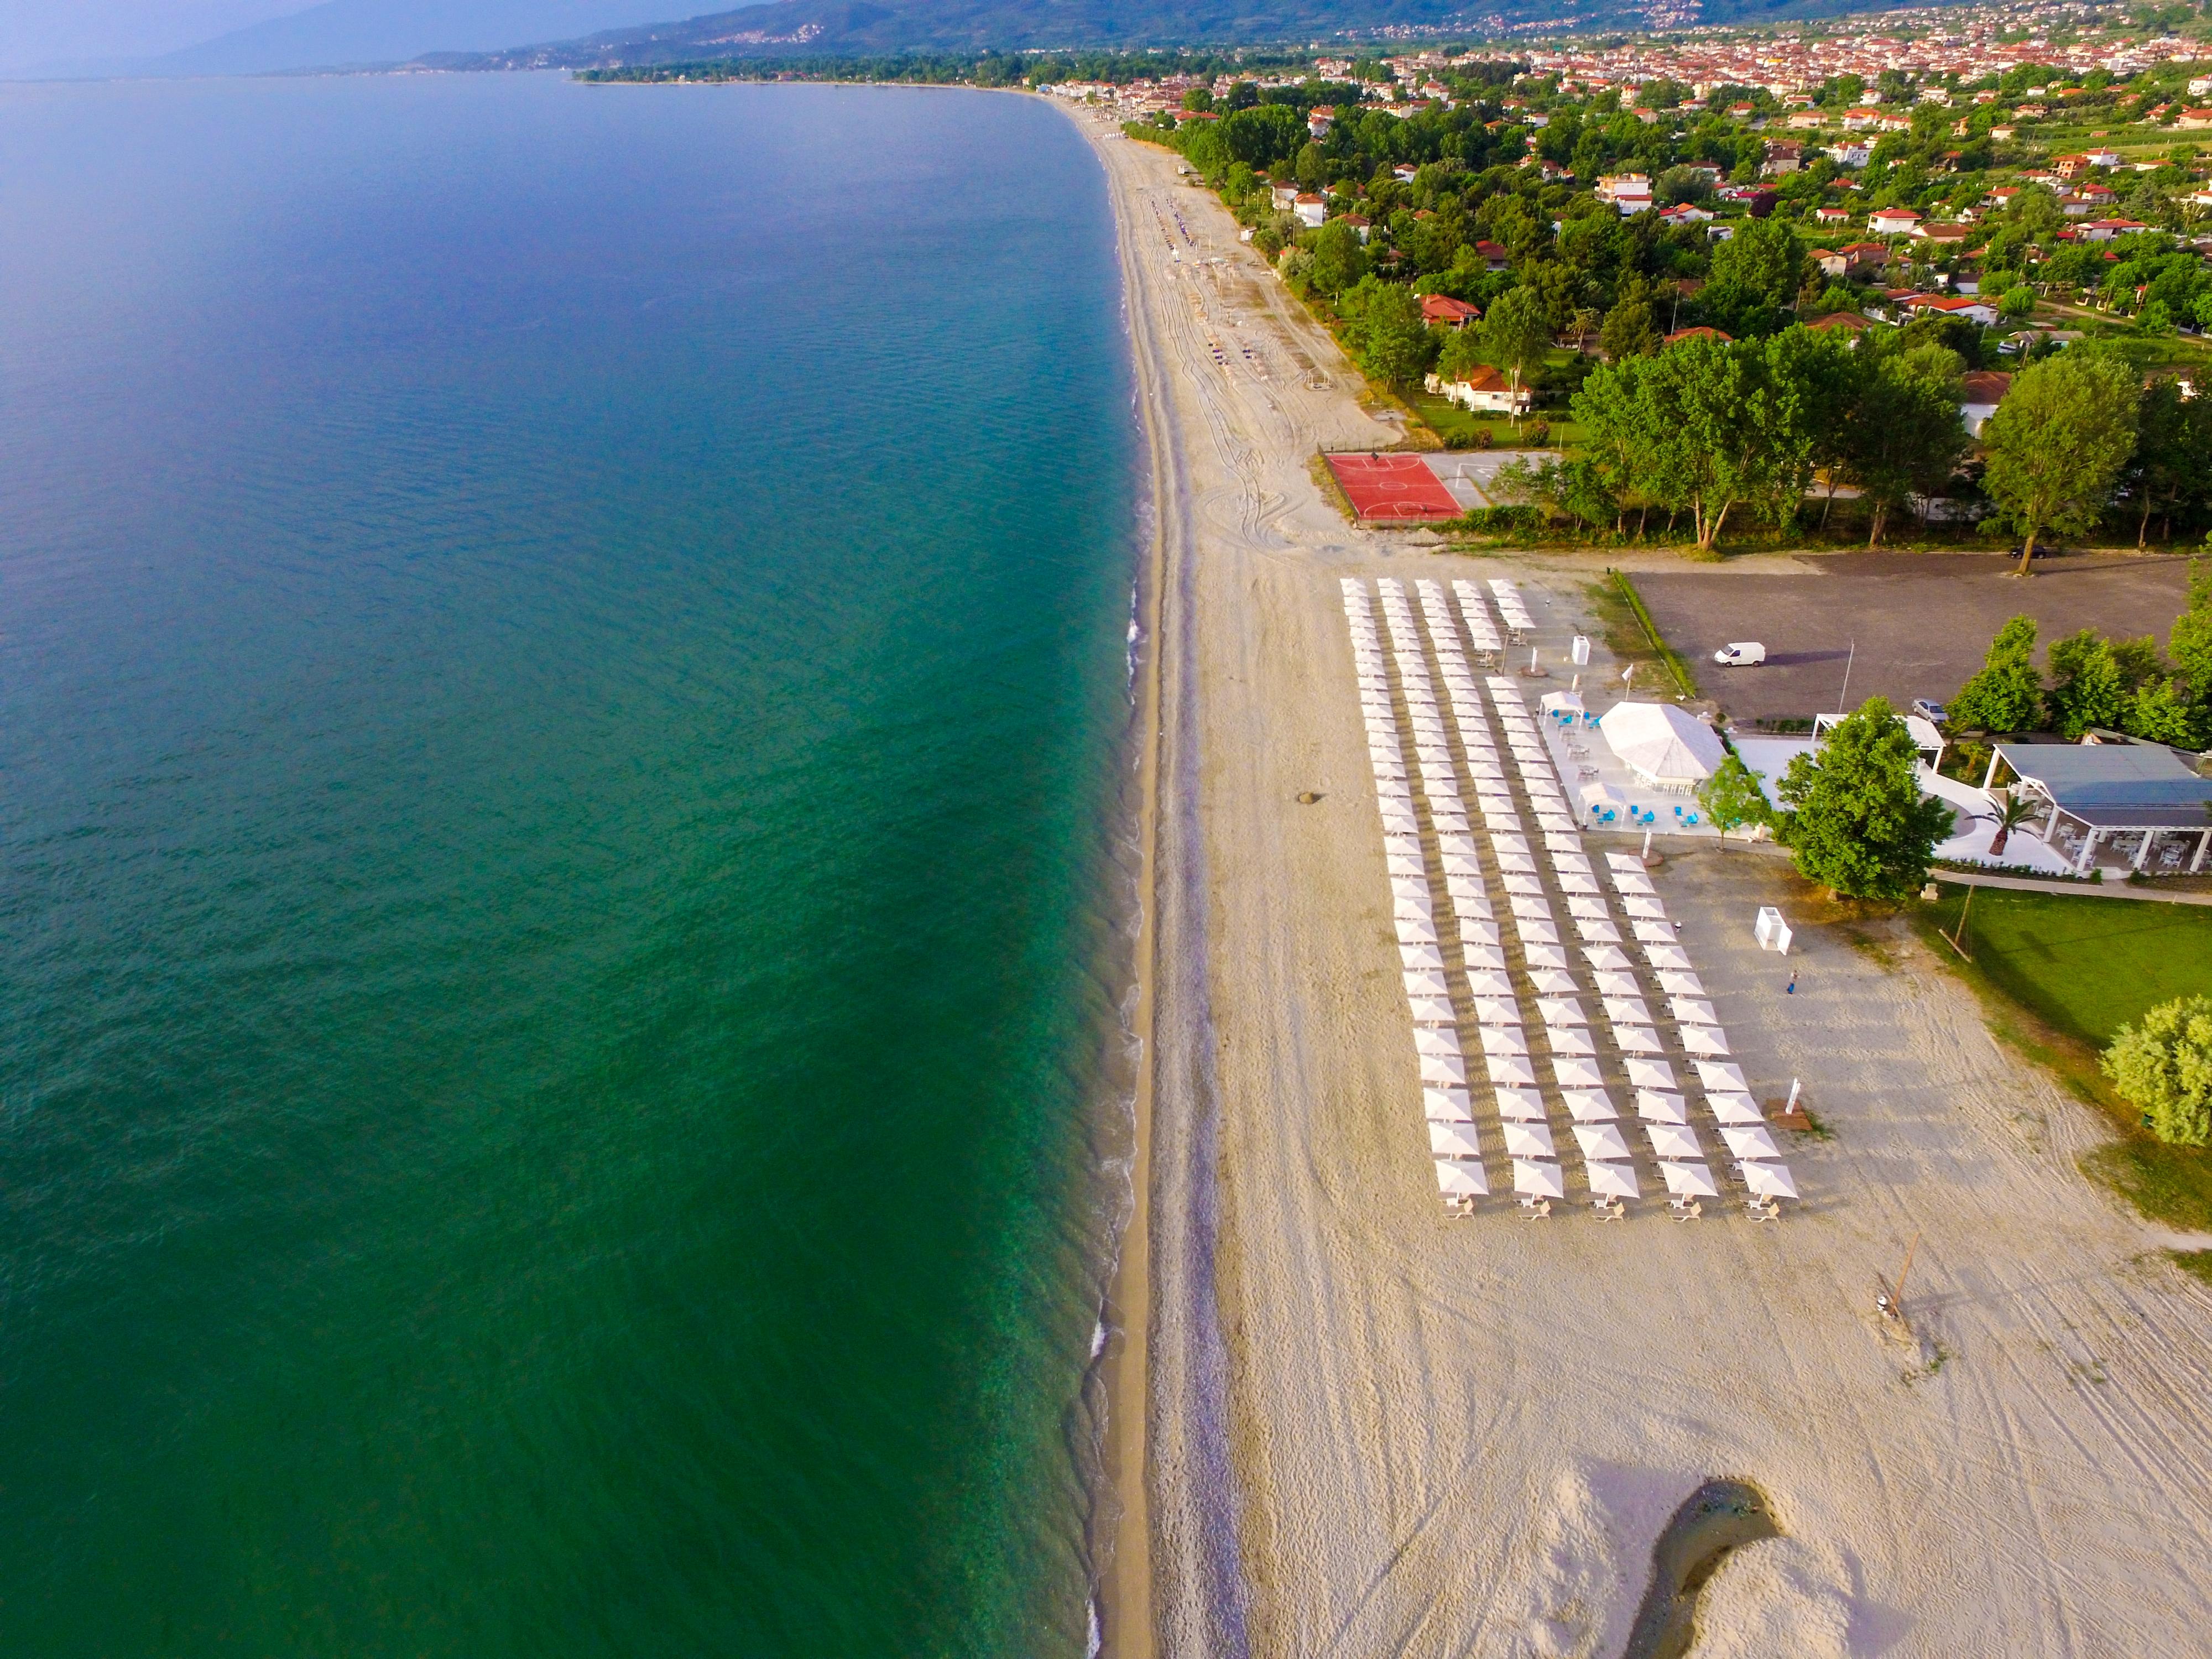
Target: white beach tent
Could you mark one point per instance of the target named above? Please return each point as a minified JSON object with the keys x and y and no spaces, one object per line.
{"x":1520,"y":1105}
{"x":1750,"y":1143}
{"x":1533,"y":1180}
{"x":1769,"y":1180}
{"x":1666,"y":747}
{"x":1685,"y":1179}
{"x":1614,"y":1181}
{"x":1452,"y":1140}
{"x":1447,"y":1106}
{"x":1601,"y":1140}
{"x":1528,"y":1140}
{"x":1461,"y":1178}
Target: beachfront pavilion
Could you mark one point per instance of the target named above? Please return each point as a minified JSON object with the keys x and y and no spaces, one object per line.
{"x":1664,"y":747}
{"x":2098,"y":792}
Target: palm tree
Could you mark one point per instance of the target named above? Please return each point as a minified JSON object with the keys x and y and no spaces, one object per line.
{"x":2015,"y":811}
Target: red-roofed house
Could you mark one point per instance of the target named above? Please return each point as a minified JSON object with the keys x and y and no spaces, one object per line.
{"x":1893,"y":221}
{"x":1443,"y":309}
{"x":1483,"y":390}
{"x":1985,"y":390}
{"x":1681,"y":334}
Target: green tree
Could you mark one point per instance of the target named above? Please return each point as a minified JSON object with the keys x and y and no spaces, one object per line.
{"x":1515,"y":335}
{"x":2189,"y":644}
{"x":1853,"y":815}
{"x":2159,"y":711}
{"x":2086,"y":687}
{"x":2058,"y":444}
{"x":1755,"y":274}
{"x":1899,"y":434}
{"x":2007,"y":695}
{"x":2173,"y":437}
{"x":1339,"y":260}
{"x":1628,"y":331}
{"x":2162,"y":1066}
{"x":1383,"y":327}
{"x":1732,"y":798}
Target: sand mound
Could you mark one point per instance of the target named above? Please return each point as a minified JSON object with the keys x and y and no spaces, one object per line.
{"x":1784,"y":1596}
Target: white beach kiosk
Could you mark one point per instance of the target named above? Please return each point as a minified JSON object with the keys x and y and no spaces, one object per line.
{"x":1663,"y":747}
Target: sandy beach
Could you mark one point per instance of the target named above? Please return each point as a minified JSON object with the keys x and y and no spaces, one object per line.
{"x":1369,"y":1429}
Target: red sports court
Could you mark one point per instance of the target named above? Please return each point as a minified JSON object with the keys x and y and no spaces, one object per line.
{"x":1396,"y":487}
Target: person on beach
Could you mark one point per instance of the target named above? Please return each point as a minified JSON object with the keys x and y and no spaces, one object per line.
{"x":1790,"y":989}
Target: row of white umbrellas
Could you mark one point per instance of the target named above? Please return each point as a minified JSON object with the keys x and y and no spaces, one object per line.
{"x":1507,"y":1065}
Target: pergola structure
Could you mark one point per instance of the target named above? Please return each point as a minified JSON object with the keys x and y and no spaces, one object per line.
{"x":2107,"y":790}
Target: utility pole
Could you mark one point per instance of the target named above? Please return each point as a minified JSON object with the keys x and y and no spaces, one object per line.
{"x":1844,"y":697}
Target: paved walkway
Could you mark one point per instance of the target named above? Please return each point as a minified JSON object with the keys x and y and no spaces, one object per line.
{"x":2073,"y":889}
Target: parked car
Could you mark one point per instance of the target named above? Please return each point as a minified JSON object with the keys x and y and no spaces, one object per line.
{"x":1934,"y":713}
{"x":1744,"y":653}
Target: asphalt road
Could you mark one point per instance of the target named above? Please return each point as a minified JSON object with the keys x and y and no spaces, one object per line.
{"x":1921,"y":622}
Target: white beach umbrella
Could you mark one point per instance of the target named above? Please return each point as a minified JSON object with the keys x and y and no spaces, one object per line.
{"x":1597,"y":932}
{"x":1501,"y":1040}
{"x":1660,"y":1106}
{"x":1612,"y":1180}
{"x":1705,"y":1040}
{"x":1481,"y":956}
{"x":1537,"y":1179}
{"x":1627,"y":863}
{"x":1535,"y":930}
{"x":1528,"y":1140}
{"x":1750,"y":1143}
{"x":1496,"y":1010}
{"x":1452,"y":1140}
{"x":1433,"y":1011}
{"x":1398,"y":864}
{"x":1686,"y":1179}
{"x":1509,"y":1069}
{"x":1626,"y":1011}
{"x":1541,"y":955}
{"x":1403,"y":823}
{"x":1599,"y":1140}
{"x":1716,"y":1075}
{"x":1426,"y":985}
{"x":1489,"y":984}
{"x":1520,"y":863}
{"x":1611,"y":983}
{"x":1414,"y":930}
{"x":1579,"y":885}
{"x":1445,"y":1071}
{"x":1730,"y":1107}
{"x":1668,"y":956}
{"x":1447,"y":1106}
{"x":1638,"y":1040}
{"x":1456,"y":842}
{"x":1608,"y":959}
{"x":1570,"y":1040}
{"x":1653,"y":932}
{"x":1693,"y":1011}
{"x":1681,"y":982}
{"x":1576,"y":1072}
{"x":1458,"y":864}
{"x":1460,"y":884}
{"x":1407,"y":887}
{"x":1517,"y":882}
{"x":1461,"y":1178}
{"x":1430,"y":1040}
{"x":1674,"y":1140}
{"x":1421,"y":956}
{"x":1421,"y":907}
{"x":1649,"y":909}
{"x":1560,"y":1010}
{"x":1552,"y":982}
{"x":1479,"y":933}
{"x":1769,"y":1180}
{"x":1582,"y":905}
{"x":1650,"y":1074}
{"x":1589,"y":1105}
{"x":1520,"y":1105}
{"x":1633,"y":880}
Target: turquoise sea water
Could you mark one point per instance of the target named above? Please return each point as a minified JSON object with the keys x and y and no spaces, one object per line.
{"x":561,"y":672}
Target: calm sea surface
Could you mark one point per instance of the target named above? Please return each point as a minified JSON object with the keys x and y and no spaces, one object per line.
{"x":561,"y":673}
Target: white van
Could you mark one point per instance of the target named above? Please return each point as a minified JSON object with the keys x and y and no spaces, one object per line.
{"x":1744,"y":653}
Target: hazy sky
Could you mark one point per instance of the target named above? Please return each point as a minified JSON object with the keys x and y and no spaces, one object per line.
{"x":40,"y":31}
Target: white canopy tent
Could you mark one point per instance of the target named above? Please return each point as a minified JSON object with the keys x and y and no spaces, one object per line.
{"x":1664,"y":746}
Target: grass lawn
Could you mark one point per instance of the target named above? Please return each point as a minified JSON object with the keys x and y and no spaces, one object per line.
{"x":2060,"y":975}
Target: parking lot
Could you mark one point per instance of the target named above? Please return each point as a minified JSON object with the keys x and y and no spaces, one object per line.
{"x":1921,"y":622}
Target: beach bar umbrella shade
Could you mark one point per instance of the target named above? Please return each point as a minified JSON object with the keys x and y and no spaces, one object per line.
{"x":1674,"y":1140}
{"x":1668,"y":955}
{"x":1497,"y":1010}
{"x":1731,"y":1108}
{"x":1560,"y":1010}
{"x":1426,"y":985}
{"x":1453,"y":1139}
{"x":1413,"y":930}
{"x":1608,"y":959}
{"x":1612,"y":1181}
{"x":1447,"y":1106}
{"x":1445,"y":1071}
{"x":1705,"y":1040}
{"x":1458,"y":864}
{"x":1650,"y":1074}
{"x":1693,"y":1011}
{"x":1689,"y":1181}
{"x":1501,"y":1040}
{"x":1427,"y":1039}
{"x":1461,"y":1178}
{"x":1569,"y":1040}
{"x":1601,"y":1140}
{"x":1658,"y":1106}
{"x":1533,"y":1180}
{"x":1717,"y":1076}
{"x":1528,"y":1140}
{"x":1589,"y":1105}
{"x":1575,"y":1071}
{"x":1421,"y":956}
{"x":1520,"y":1105}
{"x":1638,"y":1040}
{"x":1769,"y":1180}
{"x":1513,"y":1070}
{"x":1401,"y":864}
{"x":1488,"y":983}
{"x":1433,"y":1011}
{"x":1551,"y":983}
{"x":1750,"y":1143}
